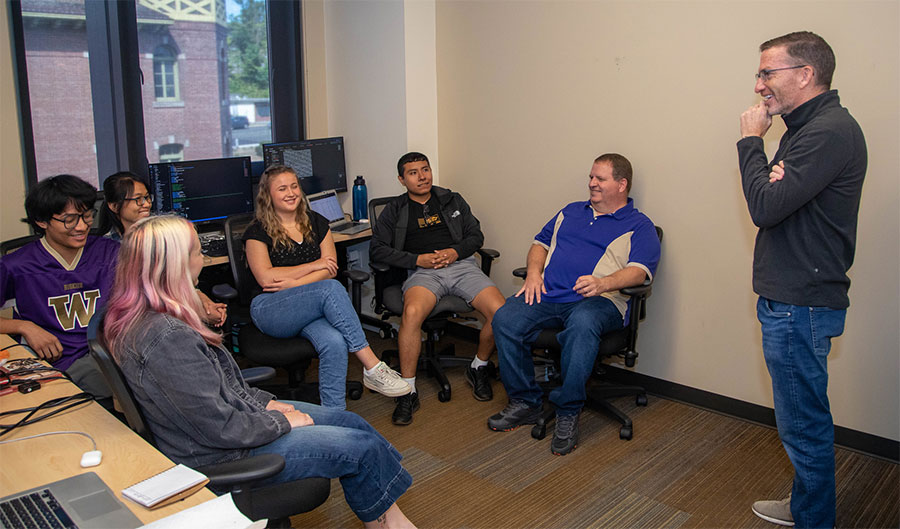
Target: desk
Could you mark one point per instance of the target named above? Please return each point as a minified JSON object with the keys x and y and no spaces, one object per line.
{"x":127,"y":458}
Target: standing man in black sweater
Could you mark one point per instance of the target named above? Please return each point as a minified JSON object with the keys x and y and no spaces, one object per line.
{"x":805,"y":203}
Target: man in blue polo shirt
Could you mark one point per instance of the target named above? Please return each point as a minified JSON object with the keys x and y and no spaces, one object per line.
{"x":576,"y":266}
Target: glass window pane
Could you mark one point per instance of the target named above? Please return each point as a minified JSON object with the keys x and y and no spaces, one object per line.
{"x":59,"y":87}
{"x":210,"y":91}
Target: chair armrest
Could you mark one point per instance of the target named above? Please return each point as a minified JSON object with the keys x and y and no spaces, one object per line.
{"x":487,"y":258}
{"x":243,"y":471}
{"x":357,"y":276}
{"x":639,"y":290}
{"x":379,"y":267}
{"x":520,"y":272}
{"x":224,"y":292}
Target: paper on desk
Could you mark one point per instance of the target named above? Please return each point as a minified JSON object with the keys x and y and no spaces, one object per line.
{"x":218,"y":513}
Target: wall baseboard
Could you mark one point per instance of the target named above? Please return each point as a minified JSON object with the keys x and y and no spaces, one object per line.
{"x":868,"y":444}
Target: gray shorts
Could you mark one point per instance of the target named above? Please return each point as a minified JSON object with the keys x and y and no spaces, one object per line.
{"x":85,"y":373}
{"x":463,"y":278}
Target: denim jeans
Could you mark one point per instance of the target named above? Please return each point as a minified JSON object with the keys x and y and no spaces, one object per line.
{"x":342,"y":445}
{"x":516,"y":327}
{"x":322,"y":313}
{"x":796,"y":343}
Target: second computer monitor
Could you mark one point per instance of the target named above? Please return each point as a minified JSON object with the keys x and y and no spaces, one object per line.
{"x":202,"y":190}
{"x":319,"y":163}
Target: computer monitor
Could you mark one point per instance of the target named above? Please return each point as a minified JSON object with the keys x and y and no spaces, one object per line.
{"x":319,"y":163}
{"x":202,"y":190}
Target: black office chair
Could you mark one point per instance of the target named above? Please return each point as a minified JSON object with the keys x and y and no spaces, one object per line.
{"x":276,"y":502}
{"x":292,"y":354}
{"x":12,"y":245}
{"x":620,"y":343}
{"x":389,"y":302}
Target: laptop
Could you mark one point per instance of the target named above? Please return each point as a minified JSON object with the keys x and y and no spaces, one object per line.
{"x":326,"y":204}
{"x":83,"y":501}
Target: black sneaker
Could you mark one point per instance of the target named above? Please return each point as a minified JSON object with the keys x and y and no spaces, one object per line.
{"x":515,"y":414}
{"x":565,"y":438}
{"x":406,"y":406}
{"x":480,"y":380}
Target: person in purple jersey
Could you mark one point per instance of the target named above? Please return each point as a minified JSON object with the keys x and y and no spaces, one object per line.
{"x":577,"y":264}
{"x":57,"y":283}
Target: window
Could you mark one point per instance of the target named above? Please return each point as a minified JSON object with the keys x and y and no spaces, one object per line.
{"x":165,"y":74}
{"x":138,"y":82}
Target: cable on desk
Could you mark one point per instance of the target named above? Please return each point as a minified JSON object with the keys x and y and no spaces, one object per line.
{"x":51,"y":433}
{"x":61,"y":404}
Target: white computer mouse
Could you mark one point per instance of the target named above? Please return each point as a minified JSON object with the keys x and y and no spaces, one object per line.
{"x":91,"y":459}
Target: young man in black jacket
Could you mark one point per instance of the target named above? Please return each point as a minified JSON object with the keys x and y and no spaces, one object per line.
{"x":805,"y":203}
{"x":431,"y":232}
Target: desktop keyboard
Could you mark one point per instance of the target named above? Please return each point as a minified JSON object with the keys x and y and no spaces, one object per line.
{"x":213,"y":245}
{"x":38,"y":509}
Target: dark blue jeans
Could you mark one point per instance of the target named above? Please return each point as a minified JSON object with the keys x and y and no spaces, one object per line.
{"x":796,"y":343}
{"x":342,"y":445}
{"x":516,"y":327}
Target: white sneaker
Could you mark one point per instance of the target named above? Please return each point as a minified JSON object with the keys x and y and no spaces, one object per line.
{"x":777,"y":512}
{"x":386,"y":381}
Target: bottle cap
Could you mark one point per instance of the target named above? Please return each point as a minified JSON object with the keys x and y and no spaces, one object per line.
{"x":360,"y":181}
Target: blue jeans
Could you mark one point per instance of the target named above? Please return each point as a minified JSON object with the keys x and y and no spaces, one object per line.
{"x":516,"y":327}
{"x":342,"y":445}
{"x":796,"y":343}
{"x":322,"y":313}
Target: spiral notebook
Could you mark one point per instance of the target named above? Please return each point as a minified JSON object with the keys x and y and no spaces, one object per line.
{"x":166,"y":487}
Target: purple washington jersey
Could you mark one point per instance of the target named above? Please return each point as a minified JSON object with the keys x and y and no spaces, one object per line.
{"x":59,"y":297}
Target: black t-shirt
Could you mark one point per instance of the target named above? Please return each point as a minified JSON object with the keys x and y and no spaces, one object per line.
{"x":426,"y":231}
{"x":297,"y":253}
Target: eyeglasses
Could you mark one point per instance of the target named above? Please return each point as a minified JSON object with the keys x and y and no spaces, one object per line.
{"x":71,"y":220}
{"x":140,"y":201}
{"x":764,"y":74}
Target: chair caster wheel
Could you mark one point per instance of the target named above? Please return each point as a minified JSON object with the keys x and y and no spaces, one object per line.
{"x":444,"y":395}
{"x":355,"y":394}
{"x":539,"y":431}
{"x":625,"y":433}
{"x":641,"y":400}
{"x":385,"y":333}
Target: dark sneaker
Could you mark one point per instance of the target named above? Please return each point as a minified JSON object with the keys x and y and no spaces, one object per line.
{"x":565,"y":438}
{"x":480,"y":380}
{"x":406,"y":406}
{"x":777,"y":512}
{"x":515,"y":414}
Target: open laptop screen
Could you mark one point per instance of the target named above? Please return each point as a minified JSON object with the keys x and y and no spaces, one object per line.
{"x":327,"y":205}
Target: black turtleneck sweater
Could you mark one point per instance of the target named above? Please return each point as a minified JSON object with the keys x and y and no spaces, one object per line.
{"x":807,"y":220}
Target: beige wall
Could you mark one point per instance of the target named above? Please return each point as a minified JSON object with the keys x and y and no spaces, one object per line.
{"x":530,"y":92}
{"x":12,"y":172}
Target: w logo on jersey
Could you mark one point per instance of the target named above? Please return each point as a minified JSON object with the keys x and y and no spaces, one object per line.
{"x":78,"y":306}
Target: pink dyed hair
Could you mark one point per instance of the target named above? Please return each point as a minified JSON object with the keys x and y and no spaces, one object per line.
{"x":153,"y":275}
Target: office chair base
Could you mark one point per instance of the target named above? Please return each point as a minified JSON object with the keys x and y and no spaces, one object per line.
{"x":597,"y":399}
{"x":433,"y":365}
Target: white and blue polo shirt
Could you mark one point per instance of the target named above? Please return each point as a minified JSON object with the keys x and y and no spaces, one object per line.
{"x":581,"y":242}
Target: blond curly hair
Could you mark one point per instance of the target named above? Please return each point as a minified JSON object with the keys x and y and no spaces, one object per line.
{"x":265,"y":209}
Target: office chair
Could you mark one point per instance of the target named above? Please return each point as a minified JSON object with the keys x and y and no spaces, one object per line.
{"x":292,"y":354}
{"x":276,"y":502}
{"x":11,"y":245}
{"x":621,"y":342}
{"x":389,"y":302}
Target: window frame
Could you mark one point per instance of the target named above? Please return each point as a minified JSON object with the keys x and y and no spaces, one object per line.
{"x":116,"y":81}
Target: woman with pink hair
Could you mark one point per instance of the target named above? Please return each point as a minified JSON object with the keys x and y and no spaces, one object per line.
{"x":195,"y":402}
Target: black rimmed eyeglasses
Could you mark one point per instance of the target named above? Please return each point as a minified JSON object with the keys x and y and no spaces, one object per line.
{"x":764,"y":74}
{"x":71,"y":220}
{"x":141,"y":200}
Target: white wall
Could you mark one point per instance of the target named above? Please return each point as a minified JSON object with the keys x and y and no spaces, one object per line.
{"x":12,"y":176}
{"x":528,"y":93}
